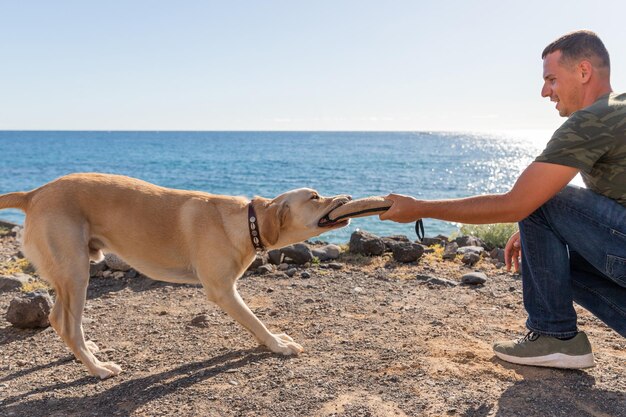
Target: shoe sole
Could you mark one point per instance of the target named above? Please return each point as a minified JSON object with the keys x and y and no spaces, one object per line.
{"x":554,"y":360}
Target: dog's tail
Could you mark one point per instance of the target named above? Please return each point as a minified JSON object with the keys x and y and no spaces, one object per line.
{"x":17,"y":200}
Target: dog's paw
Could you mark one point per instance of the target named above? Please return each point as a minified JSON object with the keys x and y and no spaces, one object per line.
{"x":93,"y":348}
{"x":282,"y":343}
{"x":106,"y":370}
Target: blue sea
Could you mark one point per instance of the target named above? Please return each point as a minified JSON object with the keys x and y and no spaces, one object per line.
{"x":429,"y":165}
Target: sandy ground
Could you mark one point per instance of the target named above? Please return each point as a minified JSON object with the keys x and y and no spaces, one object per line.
{"x":379,"y":341}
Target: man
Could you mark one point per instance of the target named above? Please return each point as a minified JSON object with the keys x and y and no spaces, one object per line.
{"x":572,"y":241}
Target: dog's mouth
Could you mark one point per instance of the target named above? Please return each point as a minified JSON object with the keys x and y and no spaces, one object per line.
{"x":327,"y":223}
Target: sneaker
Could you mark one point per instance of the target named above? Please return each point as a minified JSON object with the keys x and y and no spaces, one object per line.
{"x":540,"y":350}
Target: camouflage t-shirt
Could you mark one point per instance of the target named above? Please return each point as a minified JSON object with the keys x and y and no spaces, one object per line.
{"x":594,"y":140}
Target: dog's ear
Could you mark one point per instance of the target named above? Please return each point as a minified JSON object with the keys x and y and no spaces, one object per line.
{"x":274,"y":217}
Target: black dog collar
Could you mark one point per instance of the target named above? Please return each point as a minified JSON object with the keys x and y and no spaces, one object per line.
{"x":253,"y":227}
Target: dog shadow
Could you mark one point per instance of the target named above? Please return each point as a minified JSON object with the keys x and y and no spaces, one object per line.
{"x":551,"y":392}
{"x":126,"y":397}
{"x":102,"y":286}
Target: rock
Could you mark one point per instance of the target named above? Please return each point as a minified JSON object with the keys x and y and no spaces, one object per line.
{"x":115,"y":263}
{"x":305,"y":275}
{"x":264,"y":269}
{"x":283,"y":267}
{"x":391,"y":241}
{"x":30,"y":310}
{"x":432,"y":241}
{"x":335,"y":265}
{"x":275,"y":256}
{"x":364,"y":243}
{"x":95,"y":267}
{"x":497,"y":254}
{"x":327,"y":252}
{"x":449,"y":252}
{"x":470,"y":258}
{"x":291,"y":272}
{"x":259,"y":259}
{"x":200,"y":321}
{"x":474,"y":278}
{"x":132,"y":273}
{"x":300,"y":253}
{"x":13,"y":282}
{"x":407,"y":252}
{"x":468,"y":241}
{"x":429,"y":279}
{"x":474,"y":249}
{"x":118,"y":274}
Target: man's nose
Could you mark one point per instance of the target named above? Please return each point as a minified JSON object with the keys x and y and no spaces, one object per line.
{"x":546,"y":91}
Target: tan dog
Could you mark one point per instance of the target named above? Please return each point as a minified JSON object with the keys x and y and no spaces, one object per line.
{"x":170,"y":235}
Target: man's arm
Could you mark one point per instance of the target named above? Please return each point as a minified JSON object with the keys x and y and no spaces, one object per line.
{"x":537,"y":184}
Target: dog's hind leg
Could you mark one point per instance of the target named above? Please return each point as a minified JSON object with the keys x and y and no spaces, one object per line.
{"x":63,"y":259}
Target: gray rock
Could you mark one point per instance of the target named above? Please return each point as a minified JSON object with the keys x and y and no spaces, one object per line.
{"x":305,"y":275}
{"x":116,"y":263}
{"x":470,"y":258}
{"x":497,"y":254}
{"x":200,"y":321}
{"x":391,"y":241}
{"x":13,"y":282}
{"x":327,"y":252}
{"x":275,"y":256}
{"x":291,"y":272}
{"x":364,"y":243}
{"x":432,"y":241}
{"x":335,"y":265}
{"x":300,"y":253}
{"x":468,"y":241}
{"x":474,"y":249}
{"x":264,"y":269}
{"x":474,"y":278}
{"x":429,"y":279}
{"x":30,"y":310}
{"x":407,"y":252}
{"x":449,"y":252}
{"x":259,"y":259}
{"x":96,"y":267}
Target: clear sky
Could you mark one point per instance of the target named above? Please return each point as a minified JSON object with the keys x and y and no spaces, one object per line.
{"x":288,"y":65}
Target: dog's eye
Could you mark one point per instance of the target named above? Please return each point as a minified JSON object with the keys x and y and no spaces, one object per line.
{"x":315,"y":197}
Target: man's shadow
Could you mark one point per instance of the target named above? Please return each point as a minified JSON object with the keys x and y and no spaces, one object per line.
{"x":123,"y":399}
{"x":545,"y":392}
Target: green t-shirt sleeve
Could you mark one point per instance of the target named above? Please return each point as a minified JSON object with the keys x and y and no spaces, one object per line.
{"x":580,"y":142}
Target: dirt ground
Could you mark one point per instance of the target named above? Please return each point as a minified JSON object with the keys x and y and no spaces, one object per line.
{"x":379,"y":341}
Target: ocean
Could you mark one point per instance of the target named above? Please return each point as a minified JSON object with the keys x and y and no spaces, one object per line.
{"x":428,"y":165}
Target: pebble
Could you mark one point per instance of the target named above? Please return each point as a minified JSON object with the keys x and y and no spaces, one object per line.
{"x":474,"y":278}
{"x":305,"y":275}
{"x":201,"y":321}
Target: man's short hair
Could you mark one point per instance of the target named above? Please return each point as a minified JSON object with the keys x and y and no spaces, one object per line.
{"x":579,"y":45}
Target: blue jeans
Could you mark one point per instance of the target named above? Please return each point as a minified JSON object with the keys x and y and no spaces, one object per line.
{"x":574,"y":249}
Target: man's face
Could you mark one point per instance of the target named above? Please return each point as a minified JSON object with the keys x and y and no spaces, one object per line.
{"x":562,"y":84}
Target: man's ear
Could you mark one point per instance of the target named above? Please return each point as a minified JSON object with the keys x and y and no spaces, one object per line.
{"x":274,"y":217}
{"x":585,"y":70}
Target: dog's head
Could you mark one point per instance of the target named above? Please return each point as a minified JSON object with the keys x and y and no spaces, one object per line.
{"x":295,"y":216}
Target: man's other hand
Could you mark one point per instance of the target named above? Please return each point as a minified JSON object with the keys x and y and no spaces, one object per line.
{"x":513,"y":252}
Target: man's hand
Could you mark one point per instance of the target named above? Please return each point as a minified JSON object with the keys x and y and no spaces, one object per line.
{"x":513,"y":251}
{"x":403,"y":210}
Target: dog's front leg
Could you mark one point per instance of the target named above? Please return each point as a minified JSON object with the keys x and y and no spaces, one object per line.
{"x":230,"y":301}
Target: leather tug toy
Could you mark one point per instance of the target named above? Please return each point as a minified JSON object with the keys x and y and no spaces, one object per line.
{"x":364,"y":207}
